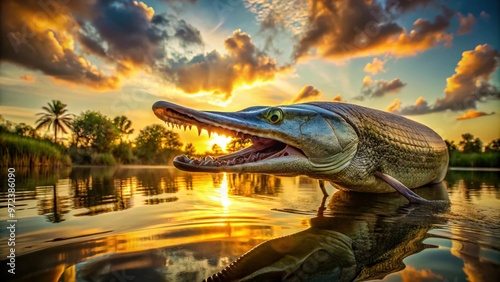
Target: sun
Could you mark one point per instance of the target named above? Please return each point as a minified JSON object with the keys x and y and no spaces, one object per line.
{"x":220,"y":140}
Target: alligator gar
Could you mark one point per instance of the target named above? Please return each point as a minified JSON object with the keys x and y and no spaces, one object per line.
{"x":353,"y":147}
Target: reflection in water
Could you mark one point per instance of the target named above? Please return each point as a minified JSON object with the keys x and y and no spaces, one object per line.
{"x":51,"y":203}
{"x":160,"y":224}
{"x":344,"y":245}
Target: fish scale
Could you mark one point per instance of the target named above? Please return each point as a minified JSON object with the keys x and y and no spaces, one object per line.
{"x":409,"y":151}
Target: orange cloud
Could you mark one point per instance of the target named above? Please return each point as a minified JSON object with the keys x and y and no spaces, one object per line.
{"x":58,"y":37}
{"x":420,"y":106}
{"x":46,"y":42}
{"x":347,"y":29}
{"x":28,"y":78}
{"x":414,"y":275}
{"x":338,"y":98}
{"x":307,"y":92}
{"x":469,"y":85}
{"x":394,"y":107}
{"x":469,"y":114}
{"x":466,"y":23}
{"x":470,"y":81}
{"x":220,"y":74}
{"x":375,"y":66}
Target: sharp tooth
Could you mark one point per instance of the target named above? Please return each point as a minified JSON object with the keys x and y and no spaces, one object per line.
{"x":190,"y":126}
{"x":209,"y":133}
{"x":199,"y":130}
{"x":252,"y":158}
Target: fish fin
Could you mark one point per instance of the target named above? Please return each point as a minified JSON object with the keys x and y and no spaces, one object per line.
{"x":322,"y":186}
{"x":401,"y":188}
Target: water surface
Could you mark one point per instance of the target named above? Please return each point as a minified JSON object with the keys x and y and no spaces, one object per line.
{"x":161,"y":224}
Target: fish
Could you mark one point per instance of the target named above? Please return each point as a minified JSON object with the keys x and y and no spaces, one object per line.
{"x":355,"y":148}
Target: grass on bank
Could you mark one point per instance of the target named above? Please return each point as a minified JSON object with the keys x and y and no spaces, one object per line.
{"x":19,"y":151}
{"x":486,"y":159}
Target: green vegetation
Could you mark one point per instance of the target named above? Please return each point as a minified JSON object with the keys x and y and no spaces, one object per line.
{"x":21,"y":151}
{"x":155,"y":144}
{"x":98,"y":140}
{"x":469,"y":152}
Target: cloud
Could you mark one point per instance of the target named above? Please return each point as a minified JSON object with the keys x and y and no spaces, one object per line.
{"x":466,"y":23}
{"x":414,"y":275}
{"x":46,"y":42}
{"x":58,"y":38}
{"x":276,"y":14}
{"x":484,"y":15}
{"x":469,"y":85}
{"x":135,"y":34}
{"x":338,"y":98}
{"x":375,"y":66}
{"x":28,"y":78}
{"x":420,"y":106}
{"x":469,"y":114}
{"x":307,"y":92}
{"x":406,"y":5}
{"x":220,"y":74}
{"x":394,"y":107}
{"x":378,"y":88}
{"x":347,"y":29}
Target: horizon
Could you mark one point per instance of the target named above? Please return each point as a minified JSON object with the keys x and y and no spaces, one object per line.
{"x":434,"y":62}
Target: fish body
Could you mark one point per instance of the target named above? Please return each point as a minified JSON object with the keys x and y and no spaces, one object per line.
{"x":353,"y":147}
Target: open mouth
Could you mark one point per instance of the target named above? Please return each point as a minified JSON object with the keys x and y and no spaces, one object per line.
{"x":261,"y":148}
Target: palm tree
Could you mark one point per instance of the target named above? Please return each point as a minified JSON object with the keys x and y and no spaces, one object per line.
{"x":56,"y":116}
{"x":123,"y":124}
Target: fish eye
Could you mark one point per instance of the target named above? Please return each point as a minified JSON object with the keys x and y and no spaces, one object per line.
{"x":274,"y":115}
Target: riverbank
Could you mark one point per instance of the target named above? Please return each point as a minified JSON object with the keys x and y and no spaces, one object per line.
{"x":19,"y":151}
{"x":473,"y":160}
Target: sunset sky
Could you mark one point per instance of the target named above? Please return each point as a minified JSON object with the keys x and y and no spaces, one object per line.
{"x":435,"y":62}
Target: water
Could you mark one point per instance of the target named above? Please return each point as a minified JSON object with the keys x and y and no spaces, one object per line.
{"x":161,"y":224}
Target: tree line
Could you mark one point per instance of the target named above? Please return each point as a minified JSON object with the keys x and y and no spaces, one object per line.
{"x":470,"y":152}
{"x":99,"y":140}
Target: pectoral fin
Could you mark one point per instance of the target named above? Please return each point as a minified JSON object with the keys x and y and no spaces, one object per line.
{"x":401,"y":188}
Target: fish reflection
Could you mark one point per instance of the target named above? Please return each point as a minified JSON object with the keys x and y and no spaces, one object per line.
{"x":359,"y":237}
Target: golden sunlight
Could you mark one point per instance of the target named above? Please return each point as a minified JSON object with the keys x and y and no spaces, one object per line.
{"x":224,"y":190}
{"x":220,"y":140}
